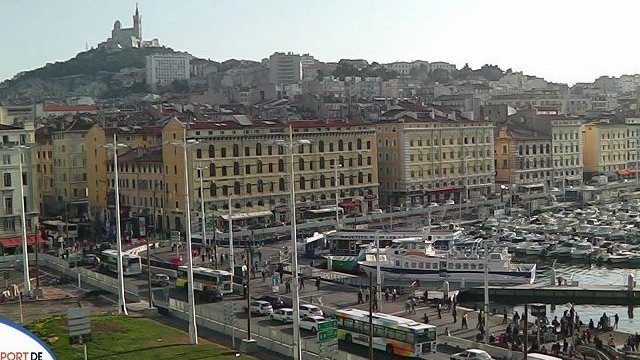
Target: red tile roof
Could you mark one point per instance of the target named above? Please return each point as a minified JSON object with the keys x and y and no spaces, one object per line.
{"x":69,"y":108}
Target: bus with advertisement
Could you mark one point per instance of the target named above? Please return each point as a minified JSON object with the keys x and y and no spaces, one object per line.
{"x":205,"y":280}
{"x":393,"y":334}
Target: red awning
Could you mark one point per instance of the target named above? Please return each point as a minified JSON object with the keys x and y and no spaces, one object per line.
{"x":447,"y":189}
{"x":16,"y":241}
{"x":623,"y":172}
{"x":350,"y":204}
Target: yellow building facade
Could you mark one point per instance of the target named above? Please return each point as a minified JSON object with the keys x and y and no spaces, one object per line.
{"x":605,"y":147}
{"x":434,"y":159}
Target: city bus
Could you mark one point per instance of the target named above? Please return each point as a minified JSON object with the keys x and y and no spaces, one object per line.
{"x":59,"y":231}
{"x":317,"y":215}
{"x":205,"y":279}
{"x":393,"y":334}
{"x":131,"y":264}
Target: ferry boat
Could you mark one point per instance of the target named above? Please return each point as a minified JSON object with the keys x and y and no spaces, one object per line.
{"x":416,"y":259}
{"x":344,"y":258}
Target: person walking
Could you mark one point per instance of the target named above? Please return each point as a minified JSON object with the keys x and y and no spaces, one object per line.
{"x":439,"y":311}
{"x":616,"y":318}
{"x":360,"y":294}
{"x":504,"y":316}
{"x":465,"y":323}
{"x":386,"y":295}
{"x":454,"y":313}
{"x":413,"y":306}
{"x":425,"y":318}
{"x":318,"y":283}
{"x":394,"y":295}
{"x":301,"y":283}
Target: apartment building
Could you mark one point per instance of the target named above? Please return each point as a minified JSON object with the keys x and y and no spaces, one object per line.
{"x":428,"y":154}
{"x":45,"y":170}
{"x":284,"y":68}
{"x":605,"y":148}
{"x":522,"y":156}
{"x":244,"y":164}
{"x":70,"y":167}
{"x":633,"y":144}
{"x":166,"y":68}
{"x":99,"y":158}
{"x":12,"y":199}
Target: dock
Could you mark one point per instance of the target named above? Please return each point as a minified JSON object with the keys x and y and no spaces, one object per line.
{"x":575,"y":294}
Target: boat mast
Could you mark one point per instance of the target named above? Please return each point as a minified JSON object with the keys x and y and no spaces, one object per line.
{"x":486,"y":294}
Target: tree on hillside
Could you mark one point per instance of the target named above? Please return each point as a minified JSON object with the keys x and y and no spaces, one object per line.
{"x":490,"y":72}
{"x":439,"y":75}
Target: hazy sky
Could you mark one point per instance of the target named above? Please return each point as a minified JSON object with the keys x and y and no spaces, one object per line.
{"x":561,"y":40}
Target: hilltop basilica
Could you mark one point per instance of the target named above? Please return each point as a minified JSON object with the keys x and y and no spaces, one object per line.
{"x":124,"y":38}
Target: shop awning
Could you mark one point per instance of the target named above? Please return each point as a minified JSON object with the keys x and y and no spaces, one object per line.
{"x":15,"y":241}
{"x":350,"y":204}
{"x":448,"y":189}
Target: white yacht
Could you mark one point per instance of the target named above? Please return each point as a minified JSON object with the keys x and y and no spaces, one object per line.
{"x":416,"y":259}
{"x":581,"y":250}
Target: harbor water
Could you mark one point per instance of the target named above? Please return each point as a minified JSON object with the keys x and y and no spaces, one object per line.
{"x":595,"y":275}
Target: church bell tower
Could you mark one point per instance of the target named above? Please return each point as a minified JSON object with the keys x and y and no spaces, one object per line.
{"x":137,"y":24}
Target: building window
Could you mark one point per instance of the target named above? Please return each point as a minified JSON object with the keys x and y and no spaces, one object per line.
{"x":247,"y":169}
{"x":258,"y":149}
{"x":236,"y":188}
{"x":281,"y":184}
{"x":301,"y":164}
{"x":236,"y":150}
{"x":340,"y":145}
{"x":281,"y":165}
{"x":213,"y":190}
{"x":212,"y":151}
{"x":212,"y":170}
{"x":236,"y":168}
{"x":321,"y":146}
{"x":303,"y":183}
{"x":199,"y":153}
{"x":322,"y":180}
{"x":7,"y":179}
{"x":247,"y":152}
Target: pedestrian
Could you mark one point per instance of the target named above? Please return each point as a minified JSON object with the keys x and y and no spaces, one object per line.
{"x":311,"y":263}
{"x":407,"y":306}
{"x":360,"y":294}
{"x":375,"y":304}
{"x":386,"y":295}
{"x":454,"y":313}
{"x":263,"y":275}
{"x":367,"y":294}
{"x":394,"y":295}
{"x":616,"y":318}
{"x":425,"y":318}
{"x":413,"y":305}
{"x":465,"y":324}
{"x":221,"y":259}
{"x":439,"y":311}
{"x":287,"y":286}
{"x":318,"y":283}
{"x":203,"y":256}
{"x":504,"y":316}
{"x":301,"y":283}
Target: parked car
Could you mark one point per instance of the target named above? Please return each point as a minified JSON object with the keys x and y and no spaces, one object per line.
{"x":213,"y":296}
{"x":432,"y":205}
{"x":160,"y":280}
{"x":450,"y":202}
{"x":90,"y":260}
{"x":311,"y":323}
{"x":472,"y":354}
{"x":310,"y":310}
{"x":285,"y":315}
{"x":275,"y":301}
{"x":104,"y":246}
{"x":260,"y":307}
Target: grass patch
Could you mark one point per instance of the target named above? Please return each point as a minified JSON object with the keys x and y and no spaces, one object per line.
{"x":119,"y":337}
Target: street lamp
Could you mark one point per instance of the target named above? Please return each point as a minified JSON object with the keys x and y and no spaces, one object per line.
{"x":232,"y":263}
{"x":297,"y":351}
{"x":202,"y":216}
{"x":25,"y":249}
{"x":193,"y":329}
{"x":122,"y":306}
{"x":336,"y":166}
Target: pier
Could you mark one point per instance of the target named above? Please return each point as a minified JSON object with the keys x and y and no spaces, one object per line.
{"x":552,"y":294}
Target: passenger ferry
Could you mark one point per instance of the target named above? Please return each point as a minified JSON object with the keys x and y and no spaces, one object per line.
{"x":348,"y":247}
{"x":417,"y":259}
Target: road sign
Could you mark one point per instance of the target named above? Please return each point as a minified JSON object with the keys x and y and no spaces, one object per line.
{"x":326,"y":335}
{"x":79,"y":325}
{"x":326,"y":325}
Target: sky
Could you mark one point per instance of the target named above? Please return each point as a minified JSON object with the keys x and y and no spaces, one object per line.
{"x":561,"y":40}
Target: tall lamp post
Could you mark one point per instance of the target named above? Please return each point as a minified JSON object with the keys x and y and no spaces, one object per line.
{"x":122,"y":306}
{"x":297,"y":350}
{"x":25,"y":246}
{"x":202,"y":216}
{"x":336,"y":166}
{"x":232,"y":263}
{"x":193,"y":329}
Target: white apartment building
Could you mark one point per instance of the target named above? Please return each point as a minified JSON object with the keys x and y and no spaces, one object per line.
{"x":285,"y":68}
{"x":166,"y":68}
{"x":10,"y":205}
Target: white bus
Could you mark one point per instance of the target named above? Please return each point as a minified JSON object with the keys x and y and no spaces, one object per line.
{"x":205,"y":279}
{"x":393,"y":334}
{"x":131,"y":264}
{"x":59,"y":231}
{"x":317,"y":215}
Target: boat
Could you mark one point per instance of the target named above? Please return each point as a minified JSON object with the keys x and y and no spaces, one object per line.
{"x":581,"y":250}
{"x":416,"y":259}
{"x":347,"y":263}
